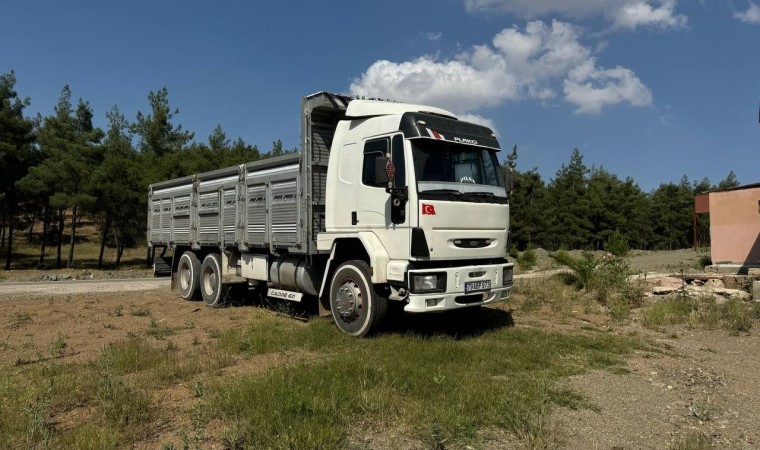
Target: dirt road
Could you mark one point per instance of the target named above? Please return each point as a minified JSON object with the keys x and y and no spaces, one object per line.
{"x":13,"y":289}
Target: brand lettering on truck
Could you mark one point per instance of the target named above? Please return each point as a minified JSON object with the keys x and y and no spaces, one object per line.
{"x":466,"y":141}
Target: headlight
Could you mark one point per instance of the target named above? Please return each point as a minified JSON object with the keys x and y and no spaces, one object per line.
{"x":507,"y":276}
{"x":435,"y":282}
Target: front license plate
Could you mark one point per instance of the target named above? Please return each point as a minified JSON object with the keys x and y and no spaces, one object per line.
{"x":474,"y":286}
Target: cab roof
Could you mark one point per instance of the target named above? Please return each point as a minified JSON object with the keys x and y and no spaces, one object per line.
{"x":368,"y":108}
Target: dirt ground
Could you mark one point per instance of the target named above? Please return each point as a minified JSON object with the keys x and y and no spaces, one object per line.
{"x":702,"y":382}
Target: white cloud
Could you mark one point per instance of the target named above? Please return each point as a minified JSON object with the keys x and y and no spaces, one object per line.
{"x":480,"y":120}
{"x":592,"y":88}
{"x":634,"y":15}
{"x":517,"y":65}
{"x":432,"y":37}
{"x":751,"y":15}
{"x":624,"y":14}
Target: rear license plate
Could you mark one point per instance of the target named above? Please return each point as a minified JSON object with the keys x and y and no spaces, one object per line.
{"x":474,"y":286}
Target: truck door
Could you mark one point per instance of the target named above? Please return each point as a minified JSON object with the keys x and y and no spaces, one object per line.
{"x":383,"y":161}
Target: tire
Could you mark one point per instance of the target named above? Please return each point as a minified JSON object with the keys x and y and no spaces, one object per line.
{"x":355,"y":306}
{"x":211,"y":280}
{"x":188,"y":276}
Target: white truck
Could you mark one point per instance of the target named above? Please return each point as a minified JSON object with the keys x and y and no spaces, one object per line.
{"x":386,"y":202}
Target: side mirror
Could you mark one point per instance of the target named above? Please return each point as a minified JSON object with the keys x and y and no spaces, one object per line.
{"x":509,"y":182}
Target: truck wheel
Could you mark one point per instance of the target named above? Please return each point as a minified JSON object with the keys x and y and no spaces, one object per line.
{"x":355,"y":306}
{"x":188,"y":276}
{"x":211,"y":280}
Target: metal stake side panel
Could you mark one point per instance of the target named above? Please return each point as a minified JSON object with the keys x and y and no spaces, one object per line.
{"x":170,"y":212}
{"x":217,"y":206}
{"x":274,"y":212}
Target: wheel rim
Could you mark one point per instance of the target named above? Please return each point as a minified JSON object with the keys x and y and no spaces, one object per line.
{"x":209,"y":281}
{"x":184,"y":278}
{"x":349,"y":300}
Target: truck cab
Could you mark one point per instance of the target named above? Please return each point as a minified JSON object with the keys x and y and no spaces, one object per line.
{"x":424,"y":194}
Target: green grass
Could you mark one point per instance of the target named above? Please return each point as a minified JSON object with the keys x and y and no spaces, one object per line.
{"x":733,"y":315}
{"x":447,"y":387}
{"x":441,"y":379}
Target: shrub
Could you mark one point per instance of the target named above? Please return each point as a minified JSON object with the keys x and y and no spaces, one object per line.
{"x":704,"y":261}
{"x":527,"y":259}
{"x":617,"y":244}
{"x":605,"y":279}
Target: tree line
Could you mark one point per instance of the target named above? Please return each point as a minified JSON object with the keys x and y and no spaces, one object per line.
{"x":61,"y":166}
{"x":582,"y":207}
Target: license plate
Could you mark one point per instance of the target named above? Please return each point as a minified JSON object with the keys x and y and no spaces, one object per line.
{"x":474,"y":286}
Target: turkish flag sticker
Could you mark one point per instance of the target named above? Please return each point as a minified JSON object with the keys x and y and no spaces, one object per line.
{"x":428,"y":210}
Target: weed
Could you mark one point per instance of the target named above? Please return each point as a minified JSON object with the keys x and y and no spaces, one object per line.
{"x":158,"y":330}
{"x":672,"y":311}
{"x":58,"y":346}
{"x":214,"y":333}
{"x":21,"y":318}
{"x":734,"y":315}
{"x":605,"y":279}
{"x":694,"y":441}
{"x":568,"y":398}
{"x":537,"y":293}
{"x":110,"y":326}
{"x":39,"y":425}
{"x":527,"y":259}
{"x":703,"y":409}
{"x":199,"y":415}
{"x":737,"y":316}
{"x":118,"y":311}
{"x":195,"y":340}
{"x":142,"y":312}
{"x":704,"y":261}
{"x":120,"y":404}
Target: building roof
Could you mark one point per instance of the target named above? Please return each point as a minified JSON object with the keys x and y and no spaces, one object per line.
{"x":739,"y":188}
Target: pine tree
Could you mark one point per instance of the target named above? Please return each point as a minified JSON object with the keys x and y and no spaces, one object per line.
{"x":527,"y":206}
{"x":16,"y":152}
{"x":120,"y":187}
{"x":157,"y":133}
{"x":568,"y":206}
{"x":69,"y":146}
{"x":729,"y":182}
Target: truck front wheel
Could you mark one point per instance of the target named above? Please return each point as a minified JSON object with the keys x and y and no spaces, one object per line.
{"x":211,"y":280}
{"x":188,"y":276}
{"x":355,"y":306}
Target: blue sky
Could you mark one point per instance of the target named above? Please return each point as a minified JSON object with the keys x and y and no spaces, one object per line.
{"x":652,"y":89}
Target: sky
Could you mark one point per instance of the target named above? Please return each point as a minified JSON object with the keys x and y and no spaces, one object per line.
{"x":648,"y":89}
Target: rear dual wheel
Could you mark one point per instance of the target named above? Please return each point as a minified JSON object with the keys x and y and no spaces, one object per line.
{"x":188,"y":276}
{"x":212,"y":290}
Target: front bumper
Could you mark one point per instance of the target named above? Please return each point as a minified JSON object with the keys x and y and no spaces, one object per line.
{"x":455,"y":296}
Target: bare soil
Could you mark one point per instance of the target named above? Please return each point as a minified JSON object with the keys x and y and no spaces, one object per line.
{"x":701,"y":382}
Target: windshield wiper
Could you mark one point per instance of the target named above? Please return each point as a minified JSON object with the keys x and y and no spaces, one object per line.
{"x":440,"y":191}
{"x":443,"y":194}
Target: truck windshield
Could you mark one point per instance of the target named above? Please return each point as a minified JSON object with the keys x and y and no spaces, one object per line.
{"x":446,"y":167}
